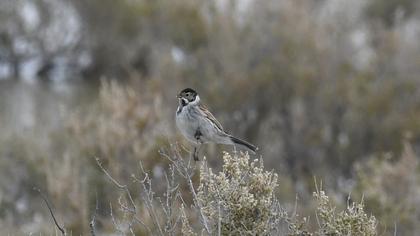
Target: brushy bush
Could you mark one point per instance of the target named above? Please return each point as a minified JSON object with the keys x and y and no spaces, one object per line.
{"x":126,"y":124}
{"x":391,"y":190}
{"x":240,"y":199}
{"x":352,"y":221}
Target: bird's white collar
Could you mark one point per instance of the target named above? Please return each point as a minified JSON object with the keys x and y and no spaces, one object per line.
{"x":196,"y":101}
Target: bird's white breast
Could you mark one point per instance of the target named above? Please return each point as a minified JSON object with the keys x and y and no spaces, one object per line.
{"x":187,"y":123}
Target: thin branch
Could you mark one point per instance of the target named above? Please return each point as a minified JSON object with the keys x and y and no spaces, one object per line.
{"x":92,"y":223}
{"x":137,"y":219}
{"x":114,"y":222}
{"x":219,"y":220}
{"x":116,"y":183}
{"x":187,"y":172}
{"x":63,"y":232}
{"x":146,"y":183}
{"x":126,"y":209}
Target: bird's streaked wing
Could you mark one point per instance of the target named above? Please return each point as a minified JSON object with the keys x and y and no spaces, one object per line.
{"x":203,"y":109}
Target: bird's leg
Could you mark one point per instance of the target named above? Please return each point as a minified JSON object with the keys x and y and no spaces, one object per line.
{"x":195,"y":154}
{"x":197,"y":136}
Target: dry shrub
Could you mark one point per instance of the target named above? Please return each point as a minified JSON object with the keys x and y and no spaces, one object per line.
{"x":352,"y":221}
{"x":391,"y":190}
{"x":240,"y":199}
{"x":125,"y":126}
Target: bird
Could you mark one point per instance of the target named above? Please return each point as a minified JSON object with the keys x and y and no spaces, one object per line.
{"x":198,"y":125}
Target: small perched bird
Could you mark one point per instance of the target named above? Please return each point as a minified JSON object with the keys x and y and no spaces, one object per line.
{"x":199,"y":126}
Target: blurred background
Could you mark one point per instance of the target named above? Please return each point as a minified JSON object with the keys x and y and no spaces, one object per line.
{"x":326,"y":88}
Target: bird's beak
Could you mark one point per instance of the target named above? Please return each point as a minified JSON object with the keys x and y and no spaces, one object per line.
{"x":178,"y":96}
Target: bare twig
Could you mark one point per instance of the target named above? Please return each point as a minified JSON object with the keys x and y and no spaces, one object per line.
{"x":219,"y":220}
{"x":186,"y":169}
{"x":132,"y":210}
{"x":116,"y":183}
{"x":395,"y":228}
{"x":92,"y":223}
{"x":114,"y":221}
{"x":138,"y":220}
{"x":62,"y":230}
{"x":187,"y":172}
{"x":146,"y":183}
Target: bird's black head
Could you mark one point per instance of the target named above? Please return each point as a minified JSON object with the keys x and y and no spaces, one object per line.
{"x":188,"y":95}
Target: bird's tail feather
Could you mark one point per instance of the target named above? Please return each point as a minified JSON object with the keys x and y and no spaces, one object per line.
{"x":244,"y":144}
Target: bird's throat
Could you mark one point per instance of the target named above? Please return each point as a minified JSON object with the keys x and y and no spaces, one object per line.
{"x":183,"y":102}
